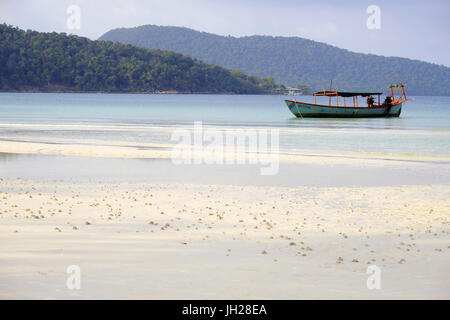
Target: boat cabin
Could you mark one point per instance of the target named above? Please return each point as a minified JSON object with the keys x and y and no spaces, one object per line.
{"x":369,"y":102}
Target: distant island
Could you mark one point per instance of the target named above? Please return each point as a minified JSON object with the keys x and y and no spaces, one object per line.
{"x":292,"y":60}
{"x":56,"y":62}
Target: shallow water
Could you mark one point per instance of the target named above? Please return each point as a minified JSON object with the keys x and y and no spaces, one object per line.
{"x":422,"y":129}
{"x":77,"y":168}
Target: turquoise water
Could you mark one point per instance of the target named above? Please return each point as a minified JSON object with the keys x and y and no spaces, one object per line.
{"x":423,"y":127}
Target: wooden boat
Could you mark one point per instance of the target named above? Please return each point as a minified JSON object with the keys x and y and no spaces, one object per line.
{"x":391,"y":107}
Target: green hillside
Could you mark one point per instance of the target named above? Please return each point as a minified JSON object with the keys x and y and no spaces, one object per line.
{"x":292,"y":60}
{"x":34,"y":61}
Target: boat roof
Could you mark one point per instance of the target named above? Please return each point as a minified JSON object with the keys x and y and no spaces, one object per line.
{"x":347,"y":93}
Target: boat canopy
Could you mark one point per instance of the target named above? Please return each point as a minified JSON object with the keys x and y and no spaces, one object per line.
{"x":346,"y":93}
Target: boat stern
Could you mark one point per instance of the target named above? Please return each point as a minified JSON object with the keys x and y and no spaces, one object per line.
{"x":395,"y":110}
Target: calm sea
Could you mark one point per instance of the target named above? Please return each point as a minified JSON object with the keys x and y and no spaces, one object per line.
{"x":422,"y":129}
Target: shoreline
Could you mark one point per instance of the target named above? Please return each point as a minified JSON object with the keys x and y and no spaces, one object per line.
{"x":187,"y":93}
{"x":143,"y":92}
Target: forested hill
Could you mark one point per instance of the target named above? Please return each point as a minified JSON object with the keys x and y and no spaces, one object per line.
{"x":34,"y":61}
{"x":293,"y":60}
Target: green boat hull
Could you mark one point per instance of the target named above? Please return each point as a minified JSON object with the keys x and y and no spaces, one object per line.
{"x":304,"y":110}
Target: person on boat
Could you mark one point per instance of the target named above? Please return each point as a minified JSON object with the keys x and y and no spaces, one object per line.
{"x":388,"y":101}
{"x":370,"y":101}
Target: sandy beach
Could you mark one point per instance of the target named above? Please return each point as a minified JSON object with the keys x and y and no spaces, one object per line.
{"x":198,"y":241}
{"x":329,"y":209}
{"x":190,"y":152}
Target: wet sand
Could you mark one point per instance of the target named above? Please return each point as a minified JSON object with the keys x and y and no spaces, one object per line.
{"x":141,"y":150}
{"x":319,"y":171}
{"x":217,"y":241}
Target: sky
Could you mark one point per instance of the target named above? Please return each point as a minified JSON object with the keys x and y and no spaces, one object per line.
{"x":412,"y":29}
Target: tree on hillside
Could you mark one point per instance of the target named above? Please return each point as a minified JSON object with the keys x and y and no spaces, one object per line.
{"x":292,"y":59}
{"x":49,"y":61}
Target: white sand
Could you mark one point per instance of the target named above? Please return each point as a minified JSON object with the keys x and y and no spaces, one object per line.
{"x":217,"y":242}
